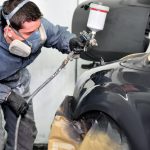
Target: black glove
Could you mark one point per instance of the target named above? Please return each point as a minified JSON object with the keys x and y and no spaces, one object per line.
{"x":17,"y":104}
{"x":76,"y":45}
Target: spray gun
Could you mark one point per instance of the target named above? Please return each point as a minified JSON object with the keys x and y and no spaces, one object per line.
{"x":96,"y":22}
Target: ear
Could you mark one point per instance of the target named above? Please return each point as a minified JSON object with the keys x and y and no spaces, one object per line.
{"x":8,"y":31}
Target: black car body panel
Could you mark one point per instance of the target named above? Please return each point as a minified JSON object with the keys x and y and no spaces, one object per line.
{"x":122,"y":91}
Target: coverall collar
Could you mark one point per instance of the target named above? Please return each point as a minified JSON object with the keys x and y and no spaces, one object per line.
{"x":3,"y":42}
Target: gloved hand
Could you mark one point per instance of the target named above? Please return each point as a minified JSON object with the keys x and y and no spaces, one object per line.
{"x":76,"y":45}
{"x":17,"y":104}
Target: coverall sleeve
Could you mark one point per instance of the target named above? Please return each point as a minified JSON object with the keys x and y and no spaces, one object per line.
{"x":9,"y":65}
{"x":57,"y":36}
{"x":4,"y":92}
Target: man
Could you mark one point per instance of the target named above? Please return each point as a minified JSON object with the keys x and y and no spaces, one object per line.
{"x":23,"y":32}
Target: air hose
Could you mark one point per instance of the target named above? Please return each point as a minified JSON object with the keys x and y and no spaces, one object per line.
{"x":64,"y":63}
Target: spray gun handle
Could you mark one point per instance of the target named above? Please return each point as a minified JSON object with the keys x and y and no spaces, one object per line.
{"x":88,"y":38}
{"x":84,"y":36}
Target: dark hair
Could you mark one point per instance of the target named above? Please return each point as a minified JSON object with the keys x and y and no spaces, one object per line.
{"x":29,"y":12}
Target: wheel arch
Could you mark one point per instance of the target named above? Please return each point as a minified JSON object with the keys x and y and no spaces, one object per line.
{"x":115,"y":106}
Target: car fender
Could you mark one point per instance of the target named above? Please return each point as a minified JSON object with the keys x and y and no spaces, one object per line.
{"x":119,"y":109}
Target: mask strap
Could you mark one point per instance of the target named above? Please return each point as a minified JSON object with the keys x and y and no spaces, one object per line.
{"x":19,"y":34}
{"x":8,"y":17}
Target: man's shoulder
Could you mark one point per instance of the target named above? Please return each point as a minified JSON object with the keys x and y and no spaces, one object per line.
{"x":44,"y":20}
{"x":46,"y":23}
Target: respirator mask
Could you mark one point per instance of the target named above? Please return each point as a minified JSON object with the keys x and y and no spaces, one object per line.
{"x":23,"y":48}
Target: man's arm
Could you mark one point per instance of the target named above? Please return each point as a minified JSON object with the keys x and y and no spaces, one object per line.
{"x":13,"y":100}
{"x":9,"y":65}
{"x":57,"y":36}
{"x":4,"y":93}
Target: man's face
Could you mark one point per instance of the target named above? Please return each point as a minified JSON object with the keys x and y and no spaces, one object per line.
{"x":27,"y":29}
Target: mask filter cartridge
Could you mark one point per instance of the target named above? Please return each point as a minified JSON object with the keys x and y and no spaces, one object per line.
{"x":19,"y":48}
